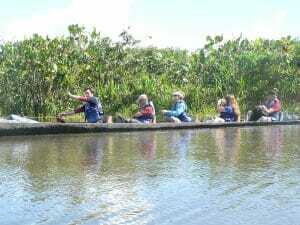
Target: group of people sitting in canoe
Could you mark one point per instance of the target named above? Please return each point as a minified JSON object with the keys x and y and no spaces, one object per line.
{"x":227,"y":108}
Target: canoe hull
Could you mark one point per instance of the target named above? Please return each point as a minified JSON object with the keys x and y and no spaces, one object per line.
{"x":14,"y":129}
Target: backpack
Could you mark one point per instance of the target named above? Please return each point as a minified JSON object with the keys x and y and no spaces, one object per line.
{"x":257,"y":113}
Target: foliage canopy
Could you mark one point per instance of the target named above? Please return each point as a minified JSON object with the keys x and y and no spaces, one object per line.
{"x":36,"y":73}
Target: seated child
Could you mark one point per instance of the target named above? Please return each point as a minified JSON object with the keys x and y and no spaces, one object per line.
{"x":146,"y":113}
{"x":178,"y":112}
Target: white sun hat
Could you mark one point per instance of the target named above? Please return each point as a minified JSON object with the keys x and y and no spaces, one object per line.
{"x":178,"y":93}
{"x":142,"y":97}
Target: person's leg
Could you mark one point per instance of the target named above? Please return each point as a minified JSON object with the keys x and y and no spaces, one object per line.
{"x":134,"y":121}
{"x":188,"y":119}
{"x":265,"y":119}
{"x":173,"y":119}
{"x":121,"y":119}
{"x":219,"y":120}
{"x":248,"y":116}
{"x":107,"y":119}
{"x":276,"y":118}
{"x":256,"y":114}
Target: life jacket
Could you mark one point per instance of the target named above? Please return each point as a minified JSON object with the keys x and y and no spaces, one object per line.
{"x":228,"y":114}
{"x":148,"y":117}
{"x":93,"y":111}
{"x":269,"y":104}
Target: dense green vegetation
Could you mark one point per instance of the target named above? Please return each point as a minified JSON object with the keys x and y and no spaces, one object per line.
{"x":36,"y":73}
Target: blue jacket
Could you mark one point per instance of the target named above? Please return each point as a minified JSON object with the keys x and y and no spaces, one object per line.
{"x":179,"y":110}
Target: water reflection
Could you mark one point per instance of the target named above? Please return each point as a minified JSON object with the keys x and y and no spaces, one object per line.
{"x":228,"y":176}
{"x":273,"y":143}
{"x":147,"y":144}
{"x":239,"y":147}
{"x":94,"y":153}
{"x":227,"y":145}
{"x":179,"y":142}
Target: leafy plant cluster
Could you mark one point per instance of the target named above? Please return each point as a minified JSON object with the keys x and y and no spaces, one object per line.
{"x":36,"y":73}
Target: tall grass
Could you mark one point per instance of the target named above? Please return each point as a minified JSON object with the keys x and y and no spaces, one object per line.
{"x":36,"y":73}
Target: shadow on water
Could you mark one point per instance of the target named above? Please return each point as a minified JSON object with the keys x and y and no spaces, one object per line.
{"x":213,"y":176}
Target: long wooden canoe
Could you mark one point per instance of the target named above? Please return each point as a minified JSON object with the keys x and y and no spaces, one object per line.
{"x":19,"y":129}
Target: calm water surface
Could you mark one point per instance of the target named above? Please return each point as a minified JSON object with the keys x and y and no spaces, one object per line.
{"x":247,"y":176}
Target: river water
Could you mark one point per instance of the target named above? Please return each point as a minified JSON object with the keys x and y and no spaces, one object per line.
{"x":243,"y":176}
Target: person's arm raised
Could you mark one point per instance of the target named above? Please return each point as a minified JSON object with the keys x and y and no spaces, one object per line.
{"x":77,"y":97}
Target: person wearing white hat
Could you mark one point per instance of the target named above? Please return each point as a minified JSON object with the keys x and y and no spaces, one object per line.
{"x":178,"y":112}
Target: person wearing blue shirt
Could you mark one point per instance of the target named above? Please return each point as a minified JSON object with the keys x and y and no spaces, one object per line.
{"x":91,"y":108}
{"x":226,"y":110}
{"x":178,"y":112}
